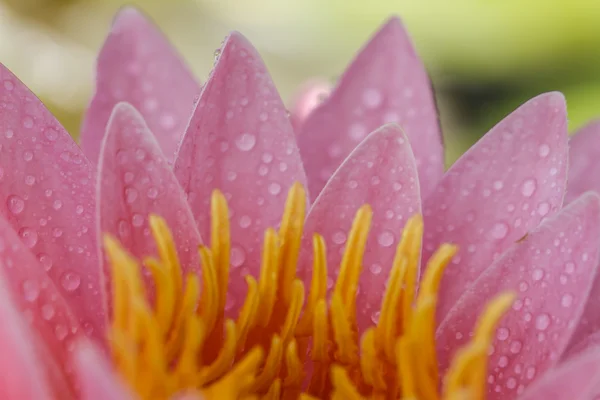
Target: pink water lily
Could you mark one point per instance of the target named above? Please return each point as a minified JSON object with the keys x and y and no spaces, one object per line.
{"x":327,"y":304}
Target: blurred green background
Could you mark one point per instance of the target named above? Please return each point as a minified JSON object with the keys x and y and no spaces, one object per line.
{"x":485,"y":56}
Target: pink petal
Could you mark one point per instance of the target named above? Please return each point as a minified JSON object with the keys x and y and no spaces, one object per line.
{"x":138,"y":65}
{"x":22,"y":374}
{"x":241,"y":142}
{"x":584,"y":161}
{"x":135,"y":180}
{"x":36,"y":296}
{"x":552,"y":272}
{"x":96,"y":377}
{"x":381,"y":172}
{"x":498,"y":191}
{"x":385,"y":83}
{"x":576,"y":379}
{"x":47,"y":190}
{"x":307,"y":99}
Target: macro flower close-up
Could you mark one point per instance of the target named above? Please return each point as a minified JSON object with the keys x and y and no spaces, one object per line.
{"x":204,"y":241}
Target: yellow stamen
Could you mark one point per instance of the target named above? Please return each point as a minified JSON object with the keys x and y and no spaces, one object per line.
{"x":170,"y":333}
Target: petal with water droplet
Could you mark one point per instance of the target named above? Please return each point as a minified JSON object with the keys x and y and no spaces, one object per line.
{"x":380,"y":172}
{"x":96,"y":376}
{"x":540,"y":325}
{"x":48,"y":197}
{"x":241,"y":142}
{"x":135,"y":181}
{"x":584,"y":161}
{"x":498,"y":190}
{"x":578,"y":378}
{"x":138,"y":65}
{"x":22,"y":368}
{"x":36,"y":296}
{"x":386,"y":83}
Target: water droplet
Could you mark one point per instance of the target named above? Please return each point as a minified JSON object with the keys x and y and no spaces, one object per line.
{"x":537,"y":274}
{"x":511,"y":383}
{"x":152,"y":193}
{"x":375,"y":317}
{"x":375,"y":269}
{"x":515,"y":347}
{"x":70,"y":281}
{"x":385,"y":239}
{"x":503,"y":362}
{"x":530,"y":373}
{"x":544,"y":150}
{"x":502,"y":334}
{"x":28,"y":236}
{"x":569,"y":268}
{"x":274,"y":188}
{"x":131,"y":195}
{"x":500,"y":230}
{"x":51,"y":134}
{"x":357,"y":132}
{"x":48,"y":311}
{"x":528,"y":187}
{"x":57,"y":204}
{"x":137,"y":220}
{"x":27,"y":155}
{"x":245,"y":142}
{"x":566,"y":300}
{"x":8,"y":85}
{"x":28,"y":122}
{"x":245,"y":221}
{"x":372,"y":98}
{"x":60,"y":331}
{"x":57,"y":232}
{"x":238,"y":256}
{"x":45,"y":260}
{"x":30,"y":180}
{"x":79,"y":209}
{"x":15,"y":204}
{"x":542,"y":322}
{"x":31,"y":291}
{"x":9,"y":133}
{"x":267,"y":157}
{"x":339,"y":237}
{"x":543,"y":208}
{"x":498,"y":185}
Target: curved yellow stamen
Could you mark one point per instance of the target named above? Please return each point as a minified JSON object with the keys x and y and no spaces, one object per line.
{"x":173,"y":335}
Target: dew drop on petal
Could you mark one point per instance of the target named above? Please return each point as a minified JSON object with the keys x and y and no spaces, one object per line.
{"x":499,"y":230}
{"x":502,"y":333}
{"x":385,"y":239}
{"x":566,"y":300}
{"x":544,"y":150}
{"x":15,"y":204}
{"x":48,"y":311}
{"x":31,"y":290}
{"x":70,"y":281}
{"x":528,"y":187}
{"x":245,"y":142}
{"x":238,"y":256}
{"x":542,"y":322}
{"x":28,"y":236}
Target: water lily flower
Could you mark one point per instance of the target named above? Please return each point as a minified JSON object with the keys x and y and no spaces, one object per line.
{"x":200,"y":247}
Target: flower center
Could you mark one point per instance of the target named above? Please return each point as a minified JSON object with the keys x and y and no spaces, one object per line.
{"x":286,"y":342}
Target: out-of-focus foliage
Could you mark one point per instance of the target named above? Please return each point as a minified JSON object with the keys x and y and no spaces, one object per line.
{"x":485,"y":56}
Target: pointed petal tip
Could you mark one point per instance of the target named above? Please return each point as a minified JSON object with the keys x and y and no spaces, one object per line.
{"x":125,"y":14}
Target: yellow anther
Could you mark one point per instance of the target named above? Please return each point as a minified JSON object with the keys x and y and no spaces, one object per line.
{"x":247,"y":317}
{"x":220,"y":243}
{"x":290,"y":233}
{"x":293,"y":365}
{"x":343,"y":388}
{"x":269,"y":273}
{"x":175,"y":336}
{"x":351,"y":267}
{"x":318,"y":286}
